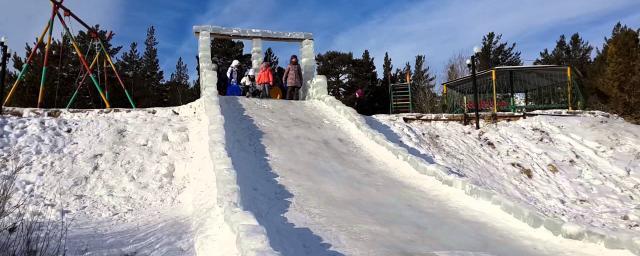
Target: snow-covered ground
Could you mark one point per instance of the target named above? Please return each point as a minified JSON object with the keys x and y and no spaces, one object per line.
{"x":129,"y":182}
{"x":155,"y":182}
{"x":583,"y":169}
{"x":319,"y":186}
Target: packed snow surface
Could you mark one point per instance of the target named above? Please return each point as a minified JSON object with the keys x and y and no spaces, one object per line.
{"x":582,"y":169}
{"x":319,"y":187}
{"x":129,"y":181}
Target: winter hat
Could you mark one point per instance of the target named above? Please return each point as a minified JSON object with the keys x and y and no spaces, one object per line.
{"x":235,"y":63}
{"x":252,"y":72}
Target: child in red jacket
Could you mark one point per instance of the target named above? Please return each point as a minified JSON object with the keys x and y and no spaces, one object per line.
{"x":265,"y":79}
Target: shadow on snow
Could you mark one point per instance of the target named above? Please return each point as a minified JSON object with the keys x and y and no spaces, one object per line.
{"x":260,"y":192}
{"x":394,"y":138}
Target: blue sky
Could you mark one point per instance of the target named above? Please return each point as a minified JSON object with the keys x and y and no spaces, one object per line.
{"x":404,"y":28}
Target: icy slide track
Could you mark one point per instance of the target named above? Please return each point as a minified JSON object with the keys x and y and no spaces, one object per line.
{"x":318,"y":187}
{"x":297,"y":178}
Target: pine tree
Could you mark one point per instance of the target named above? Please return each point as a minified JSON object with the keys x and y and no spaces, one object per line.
{"x":381,"y":96}
{"x":365,"y":77}
{"x":179,"y":83}
{"x":559,"y":55}
{"x":495,"y":53}
{"x":131,"y":71}
{"x":576,"y":53}
{"x":423,"y":86}
{"x":364,"y":71}
{"x":152,"y":74}
{"x":387,"y":67}
{"x":181,"y":75}
{"x":615,"y":73}
{"x":271,"y":57}
{"x":338,"y":68}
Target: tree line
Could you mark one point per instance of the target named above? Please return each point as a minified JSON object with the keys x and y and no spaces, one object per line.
{"x":609,"y":78}
{"x":140,"y":73}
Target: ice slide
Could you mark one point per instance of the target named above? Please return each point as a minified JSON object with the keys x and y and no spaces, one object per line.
{"x":318,"y":186}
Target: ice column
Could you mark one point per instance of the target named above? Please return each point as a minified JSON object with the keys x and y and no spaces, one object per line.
{"x":256,"y":55}
{"x":308,"y":63}
{"x":208,"y":73}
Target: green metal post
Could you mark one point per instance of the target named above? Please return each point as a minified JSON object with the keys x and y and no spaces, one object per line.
{"x":46,"y":60}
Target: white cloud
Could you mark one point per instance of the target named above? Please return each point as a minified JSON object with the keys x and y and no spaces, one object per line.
{"x":440,"y":29}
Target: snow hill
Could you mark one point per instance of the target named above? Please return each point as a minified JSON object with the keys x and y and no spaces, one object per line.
{"x":237,"y":176}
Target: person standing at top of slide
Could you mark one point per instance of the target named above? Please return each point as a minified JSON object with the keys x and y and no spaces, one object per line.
{"x":265,"y":79}
{"x":232,"y":72}
{"x":293,"y":79}
{"x":233,"y":88}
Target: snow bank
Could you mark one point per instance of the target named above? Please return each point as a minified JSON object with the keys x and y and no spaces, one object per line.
{"x":522,"y":212}
{"x":251,"y":238}
{"x":127,"y":181}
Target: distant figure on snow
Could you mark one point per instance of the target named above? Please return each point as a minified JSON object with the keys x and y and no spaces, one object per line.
{"x":265,"y":79}
{"x":293,"y":79}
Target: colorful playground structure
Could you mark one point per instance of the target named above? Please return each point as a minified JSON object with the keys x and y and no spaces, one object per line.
{"x":89,"y":68}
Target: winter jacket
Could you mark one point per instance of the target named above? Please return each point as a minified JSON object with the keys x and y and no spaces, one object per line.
{"x":246,"y":81}
{"x":232,"y":74}
{"x":293,"y":76}
{"x":264,"y":76}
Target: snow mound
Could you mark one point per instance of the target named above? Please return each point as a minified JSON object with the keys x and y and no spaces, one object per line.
{"x":580,"y":169}
{"x":470,"y":149}
{"x":128,"y":181}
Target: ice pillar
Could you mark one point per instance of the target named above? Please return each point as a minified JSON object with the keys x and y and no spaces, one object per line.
{"x":208,"y":73}
{"x":308,"y":64}
{"x":256,"y":55}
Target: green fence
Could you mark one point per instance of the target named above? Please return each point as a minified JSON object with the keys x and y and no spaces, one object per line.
{"x":510,"y":89}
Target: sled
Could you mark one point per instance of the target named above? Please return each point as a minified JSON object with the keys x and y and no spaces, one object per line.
{"x":234,"y":90}
{"x":275,"y":93}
